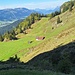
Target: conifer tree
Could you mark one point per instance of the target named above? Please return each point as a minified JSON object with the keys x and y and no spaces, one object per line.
{"x":58,"y":20}
{"x":1,"y":38}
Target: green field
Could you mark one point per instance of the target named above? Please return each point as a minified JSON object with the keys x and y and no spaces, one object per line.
{"x":27,"y":51}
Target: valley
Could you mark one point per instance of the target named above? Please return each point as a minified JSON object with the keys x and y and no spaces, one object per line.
{"x":3,"y":23}
{"x":8,"y":26}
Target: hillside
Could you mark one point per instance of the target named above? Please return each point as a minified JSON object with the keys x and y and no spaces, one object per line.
{"x":62,"y":34}
{"x":68,"y":5}
{"x":25,"y":51}
{"x":56,"y":49}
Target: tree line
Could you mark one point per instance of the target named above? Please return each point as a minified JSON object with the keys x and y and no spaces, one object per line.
{"x":68,"y":6}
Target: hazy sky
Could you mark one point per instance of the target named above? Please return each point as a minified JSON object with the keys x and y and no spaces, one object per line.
{"x":31,"y":4}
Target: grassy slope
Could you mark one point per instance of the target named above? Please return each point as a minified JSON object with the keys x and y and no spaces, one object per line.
{"x":63,"y":33}
{"x":8,"y":49}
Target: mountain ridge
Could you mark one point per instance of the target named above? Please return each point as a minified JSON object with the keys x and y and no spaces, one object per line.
{"x":16,"y":13}
{"x":10,"y":14}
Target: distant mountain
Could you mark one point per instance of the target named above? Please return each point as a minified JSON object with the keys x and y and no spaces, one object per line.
{"x":14,"y":14}
{"x":47,"y":11}
{"x":20,"y":13}
{"x":10,"y":26}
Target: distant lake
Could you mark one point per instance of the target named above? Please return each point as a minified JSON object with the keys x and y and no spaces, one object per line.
{"x":5,"y":23}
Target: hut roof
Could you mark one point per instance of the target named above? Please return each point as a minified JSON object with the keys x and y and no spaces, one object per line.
{"x":40,"y":38}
